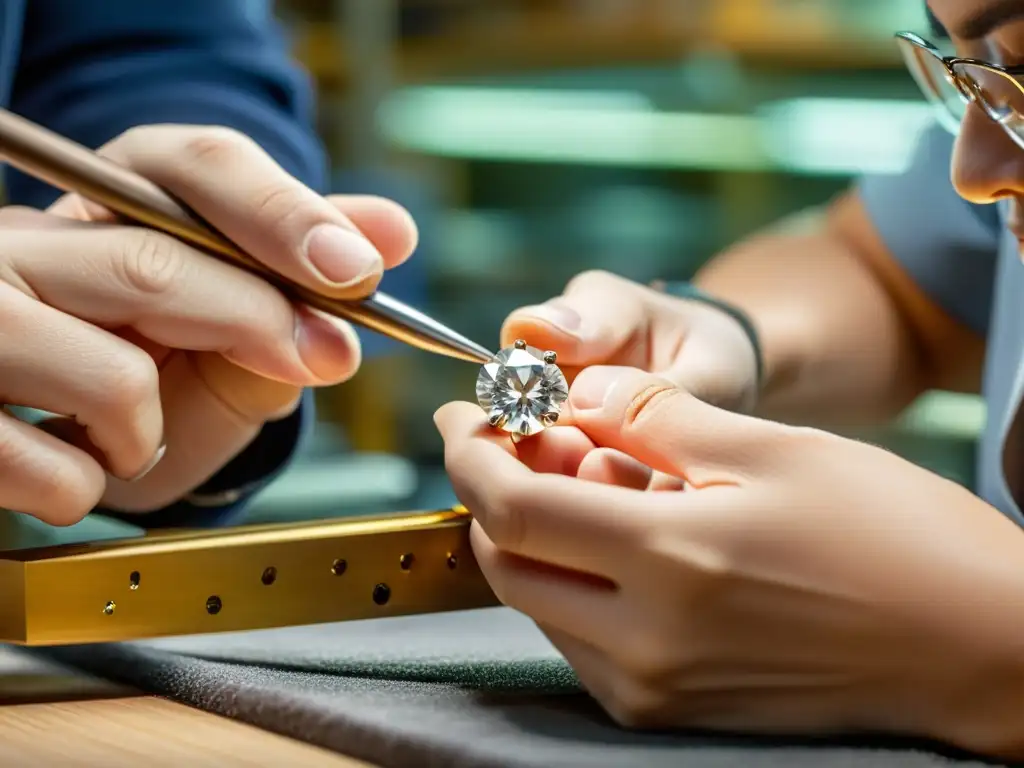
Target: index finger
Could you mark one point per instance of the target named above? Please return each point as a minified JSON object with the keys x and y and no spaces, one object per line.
{"x":231,"y":182}
{"x":552,"y":518}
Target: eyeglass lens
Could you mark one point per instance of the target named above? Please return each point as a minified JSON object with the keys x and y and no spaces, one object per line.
{"x":999,"y":94}
{"x":933,"y":78}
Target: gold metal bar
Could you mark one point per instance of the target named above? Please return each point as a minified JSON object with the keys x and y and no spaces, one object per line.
{"x":256,"y":577}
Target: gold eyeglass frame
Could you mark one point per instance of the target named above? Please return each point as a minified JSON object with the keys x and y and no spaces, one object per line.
{"x":966,"y":87}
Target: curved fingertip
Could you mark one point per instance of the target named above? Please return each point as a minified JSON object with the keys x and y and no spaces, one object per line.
{"x":150,"y":465}
{"x":442,"y":416}
{"x":552,"y":317}
{"x":81,"y":478}
{"x":342,"y":261}
{"x":458,"y":416}
{"x":542,"y":336}
{"x":403,"y":232}
{"x":328,"y":346}
{"x":556,"y":314}
{"x":385,"y":222}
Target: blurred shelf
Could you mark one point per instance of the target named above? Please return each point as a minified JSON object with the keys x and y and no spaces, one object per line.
{"x":552,"y":38}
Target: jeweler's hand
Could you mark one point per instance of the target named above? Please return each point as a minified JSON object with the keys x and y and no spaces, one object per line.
{"x":807,"y":584}
{"x":602,"y":319}
{"x":142,"y":342}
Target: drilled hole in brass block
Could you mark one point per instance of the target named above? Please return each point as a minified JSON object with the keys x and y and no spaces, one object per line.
{"x":133,"y":580}
{"x":269,"y":575}
{"x":381,"y":594}
{"x":453,"y":562}
{"x":406,"y":561}
{"x":213,"y":605}
{"x":108,"y":609}
{"x":338,"y":567}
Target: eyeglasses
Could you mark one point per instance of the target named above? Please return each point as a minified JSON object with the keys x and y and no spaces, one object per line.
{"x":951,"y":84}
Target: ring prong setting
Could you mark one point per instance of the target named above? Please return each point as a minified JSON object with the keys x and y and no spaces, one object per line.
{"x":522,"y":390}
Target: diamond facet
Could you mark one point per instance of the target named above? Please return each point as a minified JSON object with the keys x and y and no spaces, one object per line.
{"x":522,"y":390}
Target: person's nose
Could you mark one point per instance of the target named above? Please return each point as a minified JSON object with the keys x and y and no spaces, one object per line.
{"x":988,"y":165}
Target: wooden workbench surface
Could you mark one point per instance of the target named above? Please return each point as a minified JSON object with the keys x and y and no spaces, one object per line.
{"x":50,"y":715}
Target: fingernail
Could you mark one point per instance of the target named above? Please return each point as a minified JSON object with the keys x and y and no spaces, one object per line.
{"x":329,"y":347}
{"x":592,"y":386}
{"x":151,"y":465}
{"x":558,"y":315}
{"x":340,"y":255}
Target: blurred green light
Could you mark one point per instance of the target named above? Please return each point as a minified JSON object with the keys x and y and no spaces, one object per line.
{"x":843,"y":135}
{"x":805,"y":136}
{"x":564,"y":127}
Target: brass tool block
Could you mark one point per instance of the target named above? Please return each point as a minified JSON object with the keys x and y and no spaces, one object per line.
{"x":246,"y":578}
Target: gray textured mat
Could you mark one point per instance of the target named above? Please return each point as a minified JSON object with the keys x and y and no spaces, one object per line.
{"x":480,"y":689}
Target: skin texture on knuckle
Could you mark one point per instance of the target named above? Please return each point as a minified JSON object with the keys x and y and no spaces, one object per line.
{"x":279,"y":201}
{"x":171,"y":154}
{"x":151,"y":264}
{"x":652,"y":404}
{"x":216,"y":146}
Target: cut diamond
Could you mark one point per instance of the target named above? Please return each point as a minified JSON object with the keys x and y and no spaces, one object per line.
{"x":522,"y":390}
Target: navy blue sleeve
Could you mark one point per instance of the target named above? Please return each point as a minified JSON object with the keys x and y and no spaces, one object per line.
{"x":92,"y":75}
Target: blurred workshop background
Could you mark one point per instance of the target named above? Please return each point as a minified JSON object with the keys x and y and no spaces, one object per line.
{"x":534,"y":139}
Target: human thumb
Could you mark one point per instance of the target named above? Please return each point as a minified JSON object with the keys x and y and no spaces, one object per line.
{"x":577,"y":327}
{"x":665,"y":427}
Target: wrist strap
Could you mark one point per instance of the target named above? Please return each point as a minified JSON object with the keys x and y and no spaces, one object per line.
{"x":684,"y":290}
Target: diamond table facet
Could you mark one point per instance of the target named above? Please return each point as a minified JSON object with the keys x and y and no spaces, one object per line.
{"x":522,"y":390}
